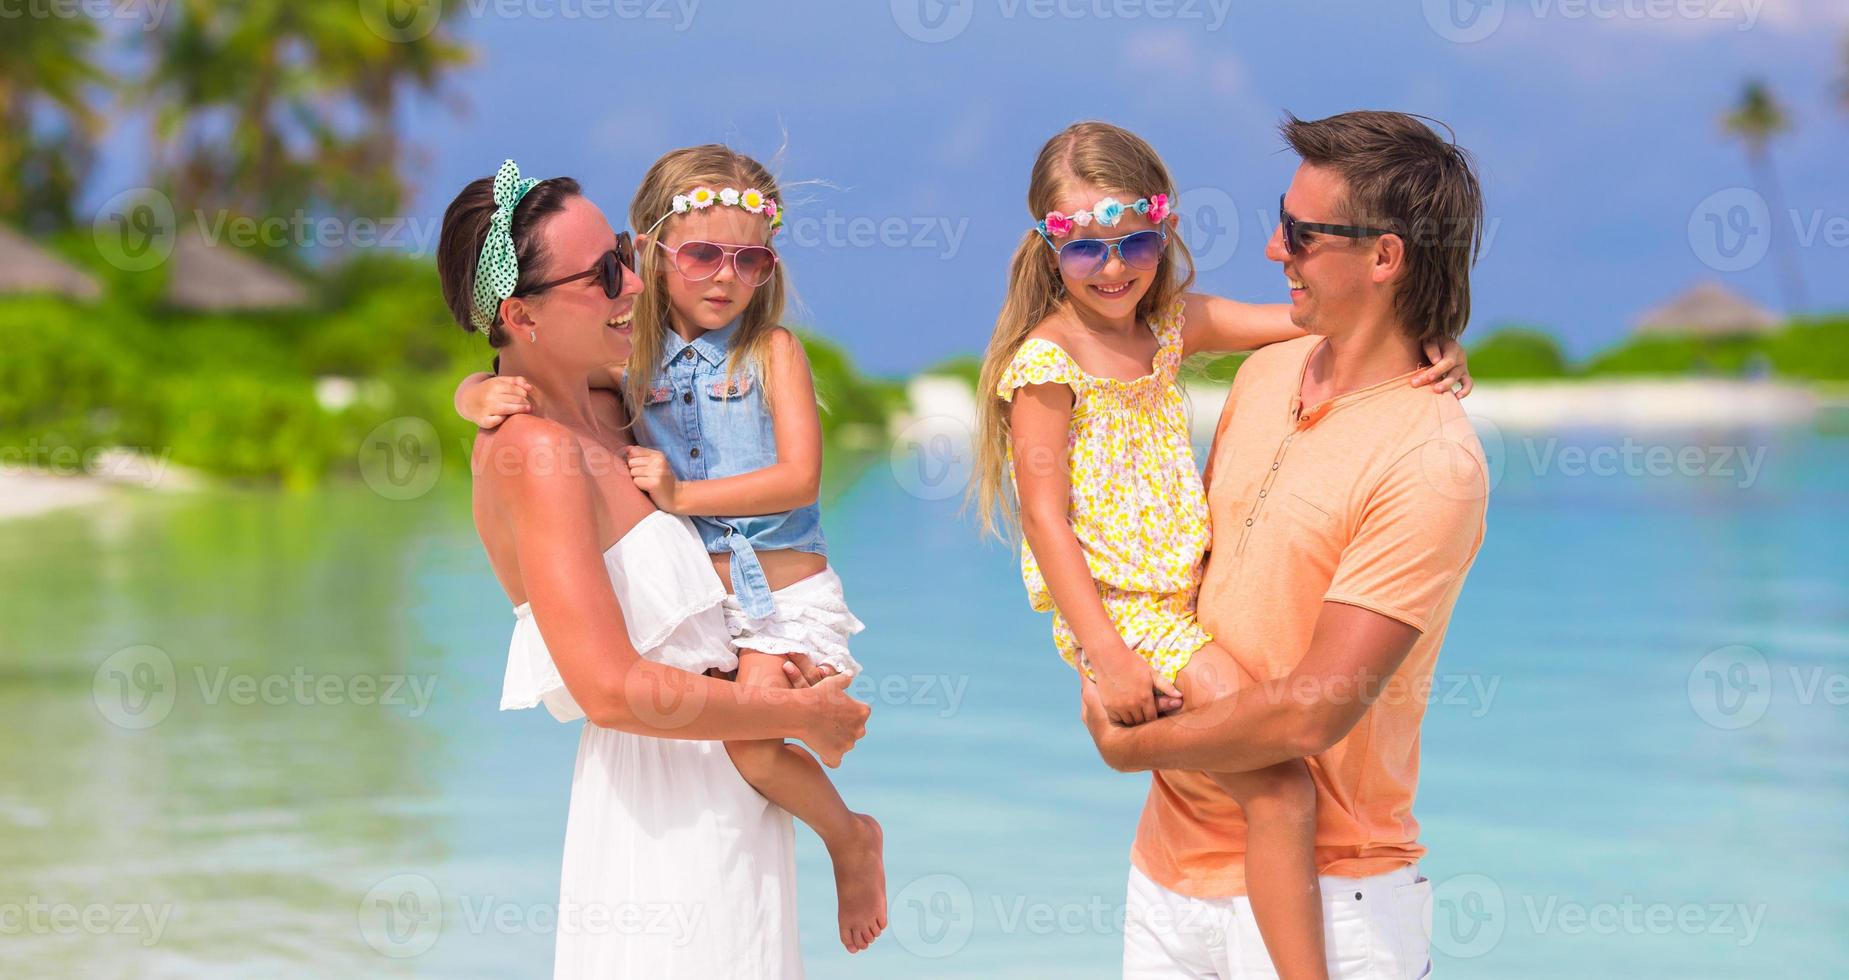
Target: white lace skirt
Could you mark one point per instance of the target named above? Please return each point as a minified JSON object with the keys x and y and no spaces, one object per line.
{"x":811,"y":617}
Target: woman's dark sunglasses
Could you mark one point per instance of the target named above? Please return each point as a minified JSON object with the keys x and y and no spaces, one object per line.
{"x":1081,"y":258}
{"x":608,"y":270}
{"x":1294,"y":229}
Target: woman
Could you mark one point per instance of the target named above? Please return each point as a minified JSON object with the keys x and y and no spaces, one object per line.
{"x":674,"y":866}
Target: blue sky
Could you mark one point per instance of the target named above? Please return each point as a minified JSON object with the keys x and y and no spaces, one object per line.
{"x":1595,"y":123}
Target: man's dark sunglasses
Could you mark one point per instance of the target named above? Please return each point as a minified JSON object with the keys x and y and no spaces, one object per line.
{"x":1294,"y":229}
{"x":609,"y":270}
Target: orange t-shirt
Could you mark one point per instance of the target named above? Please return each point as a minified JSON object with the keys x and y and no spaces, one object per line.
{"x":1374,"y":498}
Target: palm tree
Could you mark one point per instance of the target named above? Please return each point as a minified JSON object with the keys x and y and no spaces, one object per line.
{"x":47,"y":124}
{"x":1842,"y":83}
{"x":230,"y":95}
{"x":1755,"y":121}
{"x":255,"y":101}
{"x":374,"y":72}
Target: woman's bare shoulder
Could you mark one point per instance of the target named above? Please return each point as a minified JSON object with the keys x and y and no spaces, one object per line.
{"x":527,"y":432}
{"x":525,"y":446}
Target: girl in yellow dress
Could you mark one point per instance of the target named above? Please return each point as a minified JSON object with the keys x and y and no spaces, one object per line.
{"x":1083,"y":411}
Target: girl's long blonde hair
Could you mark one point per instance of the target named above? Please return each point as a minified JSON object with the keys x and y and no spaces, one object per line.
{"x":1114,"y":160}
{"x":677,"y":172}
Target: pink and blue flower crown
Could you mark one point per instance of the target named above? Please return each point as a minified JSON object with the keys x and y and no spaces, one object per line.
{"x":1106,"y":213}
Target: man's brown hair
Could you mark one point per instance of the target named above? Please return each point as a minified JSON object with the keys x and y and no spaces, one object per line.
{"x":1404,"y":177}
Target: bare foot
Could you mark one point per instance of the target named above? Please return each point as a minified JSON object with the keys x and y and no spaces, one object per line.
{"x":860,"y":884}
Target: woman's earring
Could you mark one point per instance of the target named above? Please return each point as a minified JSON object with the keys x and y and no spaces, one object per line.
{"x":532,"y":336}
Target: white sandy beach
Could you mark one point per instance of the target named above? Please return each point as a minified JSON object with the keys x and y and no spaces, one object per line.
{"x":24,"y":493}
{"x":31,"y":489}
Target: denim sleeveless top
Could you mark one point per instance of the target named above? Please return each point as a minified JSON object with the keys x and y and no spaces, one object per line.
{"x":710,"y":426}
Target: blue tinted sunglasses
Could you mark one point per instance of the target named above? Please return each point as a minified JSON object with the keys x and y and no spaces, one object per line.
{"x":1082,"y":257}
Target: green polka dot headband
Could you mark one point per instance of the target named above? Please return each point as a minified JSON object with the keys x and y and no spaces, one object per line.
{"x":497,"y":272}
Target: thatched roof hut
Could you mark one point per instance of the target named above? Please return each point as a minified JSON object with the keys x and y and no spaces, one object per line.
{"x":26,"y":268}
{"x":210,"y":279}
{"x":1709,"y":309}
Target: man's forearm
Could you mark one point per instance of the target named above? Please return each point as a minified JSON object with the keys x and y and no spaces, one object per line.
{"x":1353,"y":652}
{"x":1253,"y":729}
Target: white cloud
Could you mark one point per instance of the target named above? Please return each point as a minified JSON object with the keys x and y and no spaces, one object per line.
{"x":630,"y":129}
{"x":1680,"y":18}
{"x":1180,"y":58}
{"x":1805,"y":15}
{"x":967,"y":140}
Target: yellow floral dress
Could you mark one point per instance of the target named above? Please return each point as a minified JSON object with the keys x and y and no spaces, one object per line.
{"x":1138,"y":509}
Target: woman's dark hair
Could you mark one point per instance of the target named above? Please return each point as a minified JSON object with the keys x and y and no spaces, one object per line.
{"x":465,"y":227}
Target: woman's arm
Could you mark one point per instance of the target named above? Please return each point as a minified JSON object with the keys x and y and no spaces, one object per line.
{"x":794,"y":480}
{"x":1040,"y":420}
{"x":550,"y":504}
{"x":1217,"y":324}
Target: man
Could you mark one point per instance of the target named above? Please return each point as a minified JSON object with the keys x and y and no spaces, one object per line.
{"x":1347,"y":507}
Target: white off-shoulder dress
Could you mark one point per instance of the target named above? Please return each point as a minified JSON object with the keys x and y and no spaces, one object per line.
{"x":674,"y":866}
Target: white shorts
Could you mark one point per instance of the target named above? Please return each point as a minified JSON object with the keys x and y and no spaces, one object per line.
{"x":1376,"y":928}
{"x":811,"y":617}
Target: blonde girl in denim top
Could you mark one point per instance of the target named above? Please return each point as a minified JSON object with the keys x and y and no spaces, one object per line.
{"x":731,"y":437}
{"x":710,"y":417}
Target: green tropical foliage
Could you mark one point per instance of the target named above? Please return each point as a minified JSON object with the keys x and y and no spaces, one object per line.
{"x":968,"y":367}
{"x":235,"y":395}
{"x":1814,"y":349}
{"x":48,"y":126}
{"x":1518,"y":352}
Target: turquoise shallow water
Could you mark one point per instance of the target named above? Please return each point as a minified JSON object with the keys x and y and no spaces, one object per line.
{"x":1634,"y":764}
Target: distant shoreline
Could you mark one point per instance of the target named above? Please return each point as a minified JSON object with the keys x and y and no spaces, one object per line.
{"x":47,"y":485}
{"x":945,"y":403}
{"x":28,"y":494}
{"x":1654,"y":403}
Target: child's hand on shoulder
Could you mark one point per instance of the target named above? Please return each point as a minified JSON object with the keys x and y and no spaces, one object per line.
{"x":1450,"y":370}
{"x":650,"y":470}
{"x":488,"y":403}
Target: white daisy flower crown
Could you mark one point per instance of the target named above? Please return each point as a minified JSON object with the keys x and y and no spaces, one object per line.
{"x":751,"y":199}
